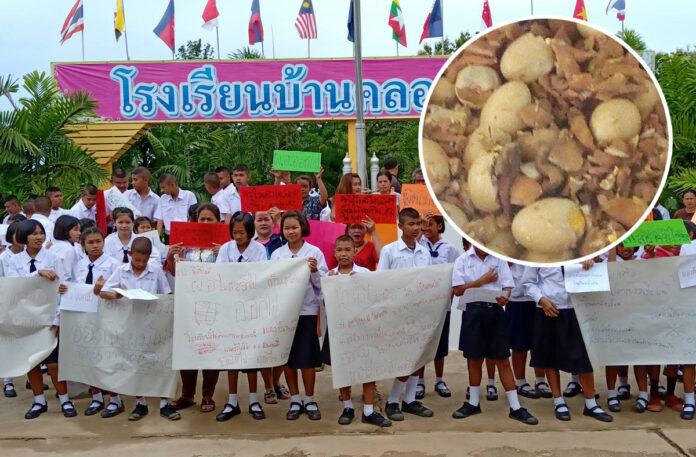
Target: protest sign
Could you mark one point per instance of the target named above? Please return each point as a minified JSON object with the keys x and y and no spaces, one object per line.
{"x":659,"y":233}
{"x":323,"y":235}
{"x":237,"y":315}
{"x":262,"y":198}
{"x":125,"y":347}
{"x":135,"y":294}
{"x":418,"y":197}
{"x":646,"y":318}
{"x":687,"y":274}
{"x":154,"y":238}
{"x":79,"y":297}
{"x":577,"y":279}
{"x":386,"y":323}
{"x":352,"y":208}
{"x":195,"y":235}
{"x":27,"y":310}
{"x":309,"y":162}
{"x":478,"y":294}
{"x":115,"y":199}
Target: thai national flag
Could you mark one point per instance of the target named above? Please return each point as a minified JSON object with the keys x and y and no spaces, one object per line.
{"x":210,"y":15}
{"x":255,"y":26}
{"x":165,"y":28}
{"x":73,"y":23}
{"x":433,"y":23}
{"x":619,"y":6}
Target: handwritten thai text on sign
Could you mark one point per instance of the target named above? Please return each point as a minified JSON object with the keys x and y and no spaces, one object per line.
{"x":262,"y":198}
{"x":297,"y":161}
{"x":195,"y":235}
{"x":687,"y":273}
{"x":659,"y":233}
{"x":386,"y":323}
{"x":577,"y":279}
{"x":418,"y":197}
{"x":237,"y":315}
{"x":352,"y":208}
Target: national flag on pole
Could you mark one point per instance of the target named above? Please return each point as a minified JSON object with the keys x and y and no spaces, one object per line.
{"x":255,"y":26}
{"x":580,"y":11}
{"x":165,"y":28}
{"x":486,"y":19}
{"x":351,"y":24}
{"x":433,"y":23}
{"x":73,"y":23}
{"x":119,"y":20}
{"x":619,"y":6}
{"x":210,"y":15}
{"x":306,"y":22}
{"x":396,"y":22}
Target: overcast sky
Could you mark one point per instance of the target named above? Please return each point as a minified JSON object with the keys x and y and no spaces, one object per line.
{"x":29,"y":29}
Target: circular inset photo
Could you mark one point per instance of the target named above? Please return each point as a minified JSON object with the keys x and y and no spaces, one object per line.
{"x":545,"y":140}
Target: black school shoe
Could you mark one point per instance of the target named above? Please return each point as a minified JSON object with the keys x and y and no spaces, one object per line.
{"x":572,"y":389}
{"x":624,"y":392}
{"x":68,"y":412}
{"x":313,"y":414}
{"x":614,"y":404}
{"x":9,"y":390}
{"x":138,"y":412}
{"x":522,"y":415}
{"x":235,"y":411}
{"x":599,"y":415}
{"x":347,"y":416}
{"x":687,"y":412}
{"x":376,"y":419}
{"x":293,"y":414}
{"x":393,"y":412}
{"x":420,"y":391}
{"x":562,"y":415}
{"x":416,"y":408}
{"x":466,"y":410}
{"x":525,"y":390}
{"x":170,"y":413}
{"x":34,"y":413}
{"x":257,"y":414}
{"x":94,"y":408}
{"x":28,"y":386}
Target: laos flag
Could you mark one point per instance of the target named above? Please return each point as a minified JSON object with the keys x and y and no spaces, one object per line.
{"x":433,"y":23}
{"x":255,"y":26}
{"x":165,"y":28}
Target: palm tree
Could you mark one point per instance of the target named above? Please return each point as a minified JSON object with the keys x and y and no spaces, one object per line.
{"x":34,"y":149}
{"x":633,"y":39}
{"x":245,"y":53}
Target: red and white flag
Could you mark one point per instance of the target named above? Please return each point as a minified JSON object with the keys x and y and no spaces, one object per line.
{"x":486,"y":20}
{"x":73,"y":23}
{"x":210,"y":15}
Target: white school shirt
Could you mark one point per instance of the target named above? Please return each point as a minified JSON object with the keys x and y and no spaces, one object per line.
{"x":19,"y":268}
{"x":469,"y":267}
{"x":688,"y":249}
{"x":152,"y":279}
{"x":56,"y":213}
{"x":446,"y":252}
{"x":170,"y":210}
{"x":397,"y":255}
{"x":4,"y":221}
{"x":114,"y":248}
{"x":46,"y":223}
{"x":80,"y":211}
{"x":518,"y":292}
{"x":220,"y":200}
{"x":356,"y":269}
{"x":146,"y":206}
{"x":229,"y":252}
{"x":65,"y":253}
{"x":313,"y":295}
{"x":79,"y":252}
{"x":233,"y":197}
{"x":104,"y":266}
{"x":5,"y":257}
{"x":547,"y":283}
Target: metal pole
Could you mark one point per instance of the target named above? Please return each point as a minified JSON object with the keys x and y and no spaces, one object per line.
{"x":272,"y":41}
{"x":217,"y":36}
{"x":125,"y":31}
{"x":531,"y":2}
{"x":360,"y":145}
{"x":263,"y":53}
{"x":308,"y":41}
{"x":82,"y":34}
{"x":442,"y":16}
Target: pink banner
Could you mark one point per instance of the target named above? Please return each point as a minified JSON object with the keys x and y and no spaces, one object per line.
{"x":323,"y":235}
{"x":251,"y":90}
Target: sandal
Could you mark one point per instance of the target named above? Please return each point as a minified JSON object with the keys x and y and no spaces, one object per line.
{"x":270,"y":398}
{"x":282,"y":392}
{"x":442,"y":390}
{"x":207,"y":405}
{"x":544,"y":389}
{"x":640,"y":405}
{"x":491,"y":393}
{"x":181,"y":403}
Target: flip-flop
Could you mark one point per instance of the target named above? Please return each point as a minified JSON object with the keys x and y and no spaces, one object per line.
{"x":207,"y":405}
{"x":181,"y":403}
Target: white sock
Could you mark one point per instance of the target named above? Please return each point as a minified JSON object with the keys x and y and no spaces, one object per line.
{"x":62,"y":399}
{"x":560,"y":401}
{"x":40,"y":399}
{"x":590,"y":403}
{"x":491,"y":382}
{"x":368,"y":409}
{"x":98,"y":397}
{"x":611,"y":393}
{"x":644,"y":395}
{"x":310,"y":399}
{"x":623,"y":381}
{"x":520,"y":382}
{"x":163,"y":402}
{"x":233,"y":400}
{"x":253,"y":398}
{"x":474,"y":393}
{"x":7,"y":381}
{"x":575,"y":378}
{"x":348,"y":404}
{"x":539,"y":379}
{"x":114,"y":402}
{"x":512,"y":399}
{"x":411,"y":387}
{"x":688,"y":398}
{"x":142,"y":401}
{"x":295,"y":399}
{"x":438,"y":380}
{"x":397,"y":388}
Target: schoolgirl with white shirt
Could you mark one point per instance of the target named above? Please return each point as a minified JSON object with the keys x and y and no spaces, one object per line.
{"x":66,"y":235}
{"x":304,"y":353}
{"x":13,"y":249}
{"x":118,"y":243}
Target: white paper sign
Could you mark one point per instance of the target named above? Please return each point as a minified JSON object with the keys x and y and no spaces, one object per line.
{"x":115,"y":199}
{"x":596,"y":279}
{"x":646,"y":319}
{"x":79,"y":297}
{"x":135,"y":294}
{"x":125,"y":347}
{"x":687,"y":274}
{"x":386,"y":323}
{"x":154,"y":238}
{"x":475,"y":294}
{"x":27,"y":309}
{"x":237,"y":315}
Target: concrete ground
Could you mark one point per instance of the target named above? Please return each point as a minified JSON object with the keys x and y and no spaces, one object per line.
{"x":490,"y":434}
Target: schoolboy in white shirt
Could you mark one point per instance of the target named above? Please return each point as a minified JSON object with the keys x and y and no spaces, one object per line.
{"x":173,"y":205}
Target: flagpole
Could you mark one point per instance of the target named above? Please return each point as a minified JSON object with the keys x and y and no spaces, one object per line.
{"x":82,"y":34}
{"x":361,"y":165}
{"x":531,"y":2}
{"x":442,"y":18}
{"x":272,"y":41}
{"x":397,"y":48}
{"x":308,"y":41}
{"x":217,"y":36}
{"x":125,"y":32}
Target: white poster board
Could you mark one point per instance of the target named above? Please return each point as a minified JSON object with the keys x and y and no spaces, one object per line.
{"x":385,"y":324}
{"x":237,"y":315}
{"x":79,"y":297}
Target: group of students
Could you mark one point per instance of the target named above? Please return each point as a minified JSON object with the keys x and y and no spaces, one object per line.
{"x":533,"y":312}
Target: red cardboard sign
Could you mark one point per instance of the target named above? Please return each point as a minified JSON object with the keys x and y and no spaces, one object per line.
{"x":352,"y":208}
{"x":418,"y":197}
{"x":196,"y":235}
{"x":262,"y":198}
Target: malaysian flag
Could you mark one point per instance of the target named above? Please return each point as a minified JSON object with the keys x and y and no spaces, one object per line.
{"x":306,"y":23}
{"x":73,"y":23}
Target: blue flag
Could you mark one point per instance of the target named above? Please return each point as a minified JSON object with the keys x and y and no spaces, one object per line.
{"x":351,"y":25}
{"x":433,"y":23}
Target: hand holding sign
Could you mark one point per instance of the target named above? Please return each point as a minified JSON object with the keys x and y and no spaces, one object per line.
{"x":195,"y":235}
{"x":418,"y":197}
{"x":353,"y":208}
{"x":297,"y":161}
{"x":660,"y":233}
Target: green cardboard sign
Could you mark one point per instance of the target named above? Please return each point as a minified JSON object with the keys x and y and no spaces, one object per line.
{"x":659,"y":233}
{"x":297,"y":161}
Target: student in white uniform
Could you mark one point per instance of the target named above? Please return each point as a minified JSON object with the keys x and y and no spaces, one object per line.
{"x":42,"y":212}
{"x":33,"y":261}
{"x":141,"y":196}
{"x":12,"y":250}
{"x":86,"y":206}
{"x":140,"y":273}
{"x":405,"y":252}
{"x":118,"y":244}
{"x":485,"y":328}
{"x":56,"y":197}
{"x":173,"y":204}
{"x":94,"y":268}
{"x":224,"y":200}
{"x":12,"y":207}
{"x":441,"y":251}
{"x":689,"y":371}
{"x":65,"y":235}
{"x":305,"y":353}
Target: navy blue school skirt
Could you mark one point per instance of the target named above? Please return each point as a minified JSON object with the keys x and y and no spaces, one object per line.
{"x":305,"y":351}
{"x":443,"y":345}
{"x":520,"y":316}
{"x":484,"y":332}
{"x":558,"y":343}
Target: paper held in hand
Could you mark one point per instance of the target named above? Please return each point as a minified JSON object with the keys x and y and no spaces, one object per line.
{"x":596,"y":279}
{"x":135,"y":294}
{"x":476,"y":294}
{"x":79,"y":297}
{"x":687,"y":273}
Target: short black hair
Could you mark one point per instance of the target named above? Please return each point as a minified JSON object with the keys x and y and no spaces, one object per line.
{"x":141,"y":171}
{"x":213,"y":208}
{"x":90,"y":189}
{"x":64,"y":224}
{"x":141,"y":245}
{"x":689,"y":191}
{"x":19,"y":217}
{"x":52,"y":190}
{"x":241,"y":167}
{"x":690,"y":227}
{"x":90,"y":231}
{"x":121,"y":211}
{"x":410,"y":213}
{"x":222,"y":170}
{"x":166,"y":177}
{"x":247,"y":220}
{"x":193,"y":212}
{"x":384,"y":173}
{"x":390,"y":162}
{"x":119,"y":173}
{"x":344,"y":239}
{"x":212,"y":179}
{"x":466,"y":244}
{"x":306,"y":178}
{"x":42,"y":204}
{"x":11,"y":230}
{"x":140,"y":221}
{"x":301,"y":219}
{"x":440,"y":220}
{"x":11,"y":198}
{"x":86,"y":223}
{"x":26,"y":228}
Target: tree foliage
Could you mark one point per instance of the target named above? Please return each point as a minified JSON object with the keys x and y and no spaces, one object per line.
{"x":195,"y":50}
{"x":450,"y":46}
